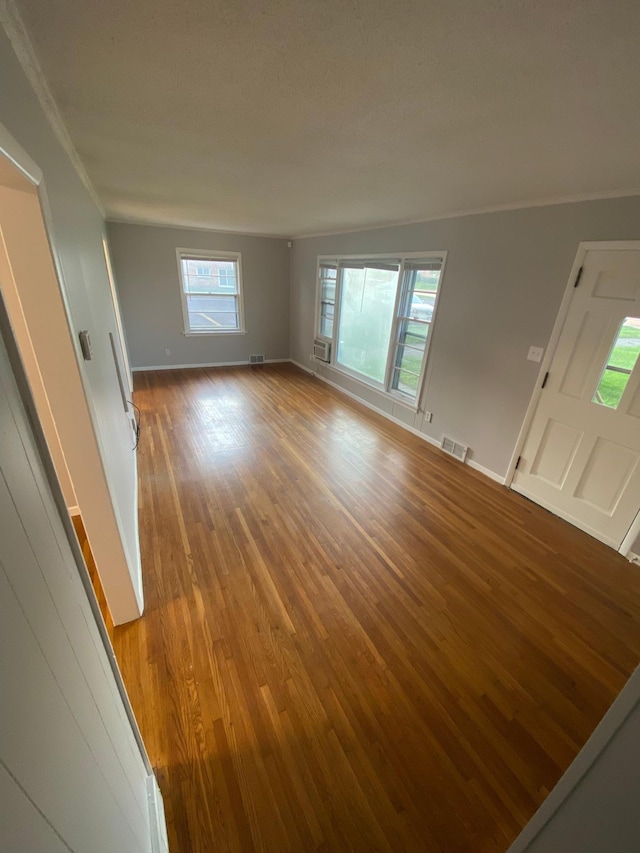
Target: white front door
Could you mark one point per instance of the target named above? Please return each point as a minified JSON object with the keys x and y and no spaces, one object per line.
{"x":581,"y":457}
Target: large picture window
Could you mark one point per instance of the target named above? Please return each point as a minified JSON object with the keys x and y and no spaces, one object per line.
{"x":211,"y":289}
{"x":378,"y":313}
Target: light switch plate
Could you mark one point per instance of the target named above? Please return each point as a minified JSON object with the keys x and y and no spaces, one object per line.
{"x":535,"y":353}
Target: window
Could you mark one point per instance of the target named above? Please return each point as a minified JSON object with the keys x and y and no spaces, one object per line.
{"x":211,"y":290}
{"x":378,"y":313}
{"x":327,"y":274}
{"x":367,"y":298}
{"x":620,"y":363}
{"x":415,"y":315}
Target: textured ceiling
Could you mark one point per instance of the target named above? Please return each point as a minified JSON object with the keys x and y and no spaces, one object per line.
{"x":302,"y":116}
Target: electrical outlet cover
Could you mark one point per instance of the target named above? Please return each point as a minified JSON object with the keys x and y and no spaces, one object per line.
{"x":535,"y":353}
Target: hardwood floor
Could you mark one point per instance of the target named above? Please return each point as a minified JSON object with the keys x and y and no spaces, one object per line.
{"x":92,"y":569}
{"x":352,"y":642}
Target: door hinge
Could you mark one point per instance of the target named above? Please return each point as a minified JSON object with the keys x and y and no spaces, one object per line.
{"x":578,"y":277}
{"x":517,"y":463}
{"x":544,"y":381}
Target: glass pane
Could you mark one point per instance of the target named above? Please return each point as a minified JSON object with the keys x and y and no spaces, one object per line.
{"x":422,"y":306}
{"x":328,"y":272}
{"x":328,"y":291}
{"x":405,"y":382}
{"x":413,"y":333}
{"x":410,"y":359}
{"x":326,"y":327}
{"x":427,"y":280}
{"x":327,"y":310}
{"x":366,"y":316}
{"x":420,"y":290}
{"x":208,"y":313}
{"x":620,"y":363}
{"x":209,"y":277}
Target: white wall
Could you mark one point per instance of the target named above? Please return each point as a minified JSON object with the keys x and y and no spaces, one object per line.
{"x":504,"y":280}
{"x":146,"y":273}
{"x":76,"y":229}
{"x":71,"y":774}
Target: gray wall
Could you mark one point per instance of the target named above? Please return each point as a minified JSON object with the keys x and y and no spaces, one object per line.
{"x":71,"y":774}
{"x":504,"y":280}
{"x":146,"y":273}
{"x":77,"y":230}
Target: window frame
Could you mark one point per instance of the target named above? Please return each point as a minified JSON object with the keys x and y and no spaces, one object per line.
{"x":210,"y":255}
{"x":400,"y":257}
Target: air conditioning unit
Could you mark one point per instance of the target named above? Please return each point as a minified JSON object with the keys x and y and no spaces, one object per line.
{"x":322,"y":350}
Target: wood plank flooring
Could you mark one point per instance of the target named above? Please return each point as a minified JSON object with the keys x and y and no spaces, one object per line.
{"x":352,"y":642}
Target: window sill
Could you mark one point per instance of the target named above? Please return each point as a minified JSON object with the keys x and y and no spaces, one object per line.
{"x":388,"y":395}
{"x":214,"y":334}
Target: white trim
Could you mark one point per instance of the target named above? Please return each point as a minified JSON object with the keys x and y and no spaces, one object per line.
{"x":206,"y":334}
{"x":207,"y":229}
{"x":486,"y":471}
{"x":73,"y":511}
{"x":434,"y":442}
{"x":209,"y":364}
{"x":583,"y":248}
{"x":387,"y":256}
{"x":19,"y":37}
{"x":633,"y":558}
{"x":211,"y":255}
{"x":632,"y":534}
{"x":475,"y":211}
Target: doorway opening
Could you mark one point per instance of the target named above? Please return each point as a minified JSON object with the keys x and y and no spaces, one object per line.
{"x":35,"y":300}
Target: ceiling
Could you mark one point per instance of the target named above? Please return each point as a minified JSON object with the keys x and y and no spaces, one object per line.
{"x":292,"y":117}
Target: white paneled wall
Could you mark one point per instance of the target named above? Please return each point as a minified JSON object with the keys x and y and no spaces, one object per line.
{"x":71,"y":774}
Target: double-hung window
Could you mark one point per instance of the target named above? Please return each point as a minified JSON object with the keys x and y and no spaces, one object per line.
{"x":378,"y":313}
{"x":211,"y":290}
{"x":327,"y":273}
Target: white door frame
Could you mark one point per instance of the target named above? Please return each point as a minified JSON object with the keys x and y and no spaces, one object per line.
{"x":583,"y":248}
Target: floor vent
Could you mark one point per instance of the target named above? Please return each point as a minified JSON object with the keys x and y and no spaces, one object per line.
{"x":256,"y":359}
{"x":453,"y":448}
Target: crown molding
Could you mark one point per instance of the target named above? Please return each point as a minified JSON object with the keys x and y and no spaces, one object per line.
{"x":18,"y":35}
{"x":152,"y":223}
{"x":498,"y":208}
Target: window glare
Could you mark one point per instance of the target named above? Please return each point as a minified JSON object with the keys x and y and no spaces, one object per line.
{"x":366,"y":318}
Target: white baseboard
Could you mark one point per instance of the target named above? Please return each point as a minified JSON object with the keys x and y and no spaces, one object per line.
{"x":487,"y":472}
{"x":208,"y":364}
{"x":475,"y":465}
{"x":633,"y":558}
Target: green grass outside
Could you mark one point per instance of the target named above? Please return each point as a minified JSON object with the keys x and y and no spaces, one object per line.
{"x":625,"y":354}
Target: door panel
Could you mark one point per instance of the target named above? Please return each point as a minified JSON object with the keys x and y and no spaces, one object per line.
{"x":581,"y":458}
